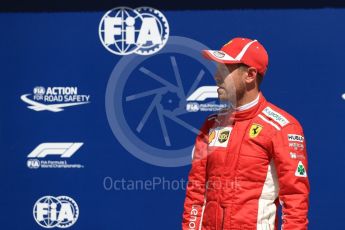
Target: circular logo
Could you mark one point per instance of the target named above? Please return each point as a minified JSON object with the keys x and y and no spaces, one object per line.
{"x":150,"y":119}
{"x":124,"y":31}
{"x":60,"y":212}
{"x":33,"y":163}
{"x":39,"y":90}
{"x":192,"y":107}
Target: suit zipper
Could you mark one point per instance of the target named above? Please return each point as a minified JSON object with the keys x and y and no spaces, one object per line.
{"x":223,"y":217}
{"x":230,"y":140}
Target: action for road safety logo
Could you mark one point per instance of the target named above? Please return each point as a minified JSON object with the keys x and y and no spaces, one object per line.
{"x":219,"y":137}
{"x":54,"y":99}
{"x":124,"y":31}
{"x":56,"y":212}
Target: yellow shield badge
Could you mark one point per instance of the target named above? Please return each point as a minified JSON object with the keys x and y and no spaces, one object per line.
{"x":211,"y":136}
{"x":255,"y":130}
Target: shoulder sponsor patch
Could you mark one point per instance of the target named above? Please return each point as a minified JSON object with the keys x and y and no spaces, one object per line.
{"x":280,"y":119}
{"x":295,"y":137}
{"x":300,"y":171}
{"x":219,"y":137}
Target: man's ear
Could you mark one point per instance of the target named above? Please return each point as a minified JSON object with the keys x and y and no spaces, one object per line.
{"x":251,"y":75}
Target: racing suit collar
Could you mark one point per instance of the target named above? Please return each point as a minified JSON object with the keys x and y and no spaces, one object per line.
{"x":248,"y":105}
{"x":231,"y":115}
{"x":249,"y":113}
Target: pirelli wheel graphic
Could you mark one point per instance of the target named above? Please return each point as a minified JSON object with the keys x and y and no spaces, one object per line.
{"x":141,"y":118}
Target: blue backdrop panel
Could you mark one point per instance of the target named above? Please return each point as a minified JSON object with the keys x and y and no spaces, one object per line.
{"x":305,"y":77}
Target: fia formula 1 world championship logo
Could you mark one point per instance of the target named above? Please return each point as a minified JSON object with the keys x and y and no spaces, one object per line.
{"x":124,"y":31}
{"x":64,"y":150}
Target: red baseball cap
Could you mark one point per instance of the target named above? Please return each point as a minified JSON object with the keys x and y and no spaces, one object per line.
{"x":241,"y":50}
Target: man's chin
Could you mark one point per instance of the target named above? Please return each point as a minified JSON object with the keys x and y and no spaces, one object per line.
{"x":223,"y":98}
{"x":226,"y":100}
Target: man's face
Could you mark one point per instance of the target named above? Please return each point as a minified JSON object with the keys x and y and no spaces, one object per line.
{"x":230,"y":80}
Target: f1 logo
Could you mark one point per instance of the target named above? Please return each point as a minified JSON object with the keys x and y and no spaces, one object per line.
{"x":203,"y":93}
{"x":65,"y":150}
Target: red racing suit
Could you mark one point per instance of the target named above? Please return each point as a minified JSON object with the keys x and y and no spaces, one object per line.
{"x":244,"y":164}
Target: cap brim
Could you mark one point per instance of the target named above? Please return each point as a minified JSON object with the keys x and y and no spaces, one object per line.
{"x":219,"y":56}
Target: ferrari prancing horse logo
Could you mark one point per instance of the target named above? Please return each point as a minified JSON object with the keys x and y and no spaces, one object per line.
{"x":255,"y":130}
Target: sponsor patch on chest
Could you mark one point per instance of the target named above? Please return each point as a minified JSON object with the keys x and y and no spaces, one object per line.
{"x":254,"y":131}
{"x":277,"y":117}
{"x":300,"y":171}
{"x":296,"y":146}
{"x":296,"y":156}
{"x":219,"y":137}
{"x":295,"y":137}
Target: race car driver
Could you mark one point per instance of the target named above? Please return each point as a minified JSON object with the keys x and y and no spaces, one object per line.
{"x":249,"y":158}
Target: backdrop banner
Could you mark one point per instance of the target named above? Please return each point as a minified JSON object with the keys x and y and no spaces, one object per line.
{"x":100,"y":110}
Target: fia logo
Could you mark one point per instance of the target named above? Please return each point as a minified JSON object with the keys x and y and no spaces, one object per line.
{"x":143,"y":30}
{"x":60,"y":212}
